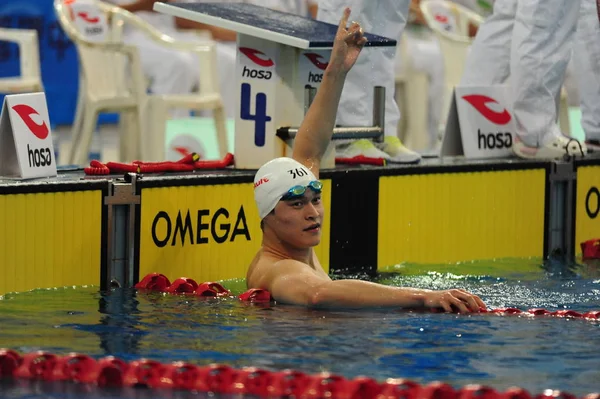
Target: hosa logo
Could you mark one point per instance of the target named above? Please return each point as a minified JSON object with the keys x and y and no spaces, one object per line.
{"x":37,"y":156}
{"x":91,"y":30}
{"x":445,"y":21}
{"x":491,"y":141}
{"x":206,"y":227}
{"x":441,"y":18}
{"x":40,"y":130}
{"x":316,"y":60}
{"x":254,"y":56}
{"x":480,"y":102}
{"x":87,"y":18}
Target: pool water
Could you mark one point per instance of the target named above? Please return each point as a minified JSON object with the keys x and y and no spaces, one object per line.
{"x":535,"y":353}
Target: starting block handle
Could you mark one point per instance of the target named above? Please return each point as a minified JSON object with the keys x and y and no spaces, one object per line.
{"x":339,"y":133}
{"x":309,"y":95}
{"x":375,"y":132}
{"x":379,"y":111}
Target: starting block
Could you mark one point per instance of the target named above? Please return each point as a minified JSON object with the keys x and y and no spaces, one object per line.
{"x":280,"y":60}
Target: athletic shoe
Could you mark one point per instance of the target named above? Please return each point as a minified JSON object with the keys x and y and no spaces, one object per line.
{"x":558,"y":149}
{"x":397,"y":152}
{"x":362,"y":147}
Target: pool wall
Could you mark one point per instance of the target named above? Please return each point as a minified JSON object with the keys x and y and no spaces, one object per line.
{"x":79,"y":230}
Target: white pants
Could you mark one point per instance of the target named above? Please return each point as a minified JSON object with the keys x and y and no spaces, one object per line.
{"x":531,"y":40}
{"x":426,"y":55}
{"x":375,"y":66}
{"x":586,"y":59}
{"x":173,"y":71}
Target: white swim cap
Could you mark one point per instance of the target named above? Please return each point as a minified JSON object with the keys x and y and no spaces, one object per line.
{"x":275,"y":178}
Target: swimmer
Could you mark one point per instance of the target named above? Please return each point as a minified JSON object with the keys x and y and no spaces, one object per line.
{"x":288,"y":195}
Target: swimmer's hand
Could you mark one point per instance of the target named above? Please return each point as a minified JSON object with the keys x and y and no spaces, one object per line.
{"x":454,"y":301}
{"x":347,"y":45}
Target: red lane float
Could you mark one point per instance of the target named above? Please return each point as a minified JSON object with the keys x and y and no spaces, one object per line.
{"x":590,"y":249}
{"x":223,"y":379}
{"x":185,"y":285}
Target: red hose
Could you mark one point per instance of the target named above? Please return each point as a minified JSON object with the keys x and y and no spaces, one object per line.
{"x":188,"y":163}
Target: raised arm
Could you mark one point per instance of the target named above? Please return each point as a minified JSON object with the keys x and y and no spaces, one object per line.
{"x":316,"y":129}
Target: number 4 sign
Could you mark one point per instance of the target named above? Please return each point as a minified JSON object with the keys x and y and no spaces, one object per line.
{"x":259,"y":117}
{"x":258,"y":83}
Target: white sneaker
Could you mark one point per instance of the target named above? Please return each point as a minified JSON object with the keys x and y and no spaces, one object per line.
{"x":362,"y":147}
{"x":593,"y":145}
{"x":397,"y":152}
{"x":555,"y":150}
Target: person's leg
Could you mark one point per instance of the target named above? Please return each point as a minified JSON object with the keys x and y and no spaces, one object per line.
{"x":586,"y":59}
{"x":355,"y":108}
{"x":541,"y":47}
{"x":375,"y":68}
{"x":427,"y":57}
{"x":488,"y":61}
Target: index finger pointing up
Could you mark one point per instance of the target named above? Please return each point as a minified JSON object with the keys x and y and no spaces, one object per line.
{"x":344,"y":20}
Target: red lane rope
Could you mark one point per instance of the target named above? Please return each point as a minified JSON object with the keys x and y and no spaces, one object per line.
{"x":188,"y":163}
{"x":223,"y":379}
{"x":185,"y":285}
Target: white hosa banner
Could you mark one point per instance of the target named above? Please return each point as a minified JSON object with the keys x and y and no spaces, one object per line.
{"x":26,"y":148}
{"x":480,"y":123}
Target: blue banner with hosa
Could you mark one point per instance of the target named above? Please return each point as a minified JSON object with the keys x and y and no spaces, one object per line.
{"x":58,"y":56}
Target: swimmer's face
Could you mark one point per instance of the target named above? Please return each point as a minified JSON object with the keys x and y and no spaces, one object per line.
{"x":298,"y":221}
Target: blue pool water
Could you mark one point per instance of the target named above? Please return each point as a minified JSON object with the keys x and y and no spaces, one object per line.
{"x":499,"y":351}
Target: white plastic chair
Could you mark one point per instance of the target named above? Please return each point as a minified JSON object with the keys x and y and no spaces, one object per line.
{"x":207,"y":96}
{"x":103,"y":87}
{"x":112,"y":80}
{"x":412,"y":88}
{"x":453,"y":38}
{"x":157,"y":106}
{"x":30,"y":79}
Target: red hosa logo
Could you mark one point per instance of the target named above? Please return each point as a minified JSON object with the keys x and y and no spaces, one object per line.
{"x":316,"y":60}
{"x":441,"y":18}
{"x":25,"y":111}
{"x":37,"y":156}
{"x":479,"y":102}
{"x":254,"y":56}
{"x":86,"y":18}
{"x":263,"y":62}
{"x":490,"y":140}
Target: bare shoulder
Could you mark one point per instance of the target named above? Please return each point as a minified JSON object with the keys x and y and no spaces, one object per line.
{"x":263,"y":268}
{"x":258,"y":267}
